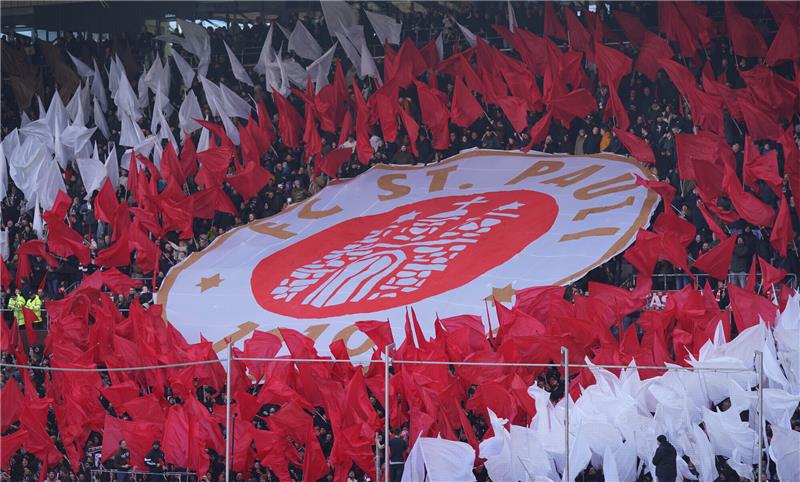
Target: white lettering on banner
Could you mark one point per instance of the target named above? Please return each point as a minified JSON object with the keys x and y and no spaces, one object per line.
{"x":440,"y":238}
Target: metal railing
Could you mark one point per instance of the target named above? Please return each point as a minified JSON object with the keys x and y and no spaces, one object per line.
{"x":389,"y":363}
{"x":676,"y":281}
{"x":105,"y":475}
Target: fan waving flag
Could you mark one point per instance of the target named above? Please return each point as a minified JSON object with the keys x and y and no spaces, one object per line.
{"x":440,"y":238}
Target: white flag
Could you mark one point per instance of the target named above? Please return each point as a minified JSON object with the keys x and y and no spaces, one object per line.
{"x":319,"y":69}
{"x":38,"y":224}
{"x":471,"y":37}
{"x":235,"y":106}
{"x":57,"y":117}
{"x":98,"y":91}
{"x":74,"y":104}
{"x":125,"y":99}
{"x":48,"y":182}
{"x":187,"y":73}
{"x":5,"y":250}
{"x":303,"y":43}
{"x":339,"y":16}
{"x":205,"y":140}
{"x":100,"y":119}
{"x":386,"y":28}
{"x":143,"y":101}
{"x":368,"y":67}
{"x":238,"y":71}
{"x":189,"y":111}
{"x":130,"y":133}
{"x":351,"y":49}
{"x":439,"y":460}
{"x":512,"y":18}
{"x":267,"y":55}
{"x":112,"y":166}
{"x":82,"y":68}
{"x":93,"y":173}
{"x":3,"y":174}
{"x":440,"y":46}
{"x":77,"y":136}
{"x":213,"y":97}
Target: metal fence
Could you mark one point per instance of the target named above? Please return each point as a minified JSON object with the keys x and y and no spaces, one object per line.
{"x":111,"y":475}
{"x":389,"y":363}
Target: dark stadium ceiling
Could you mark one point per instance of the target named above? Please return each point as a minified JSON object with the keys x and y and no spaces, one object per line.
{"x":126,"y":16}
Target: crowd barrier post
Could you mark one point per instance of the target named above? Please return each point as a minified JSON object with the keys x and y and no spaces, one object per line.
{"x":565,"y":353}
{"x":377,"y":457}
{"x":228,"y":413}
{"x":386,"y":363}
{"x":760,"y":365}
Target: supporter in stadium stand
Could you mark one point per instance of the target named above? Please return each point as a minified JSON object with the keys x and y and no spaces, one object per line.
{"x":667,"y":113}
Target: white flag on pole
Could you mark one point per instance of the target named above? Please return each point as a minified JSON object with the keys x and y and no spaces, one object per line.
{"x":303,"y":43}
{"x":238,"y":71}
{"x":112,"y":166}
{"x":187,"y":73}
{"x":471,"y":37}
{"x":386,"y":28}
{"x":93,"y":173}
{"x":83,"y":69}
{"x":189,"y":111}
{"x":100,"y":119}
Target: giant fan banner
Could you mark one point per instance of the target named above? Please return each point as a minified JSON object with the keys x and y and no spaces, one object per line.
{"x":444,"y":239}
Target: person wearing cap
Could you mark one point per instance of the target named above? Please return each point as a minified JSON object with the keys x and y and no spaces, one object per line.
{"x":664,"y":460}
{"x":154,"y":460}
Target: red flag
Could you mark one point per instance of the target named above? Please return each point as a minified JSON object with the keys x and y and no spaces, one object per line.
{"x":761,"y":167}
{"x":748,"y":306}
{"x":216,"y":159}
{"x":434,"y":115}
{"x":208,"y":201}
{"x":412,"y":128}
{"x":760,"y":123}
{"x":407,"y":65}
{"x":171,"y":168}
{"x":385,"y":106}
{"x":65,"y":241}
{"x":11,"y":403}
{"x":188,"y":156}
{"x":770,"y":275}
{"x":250,"y":151}
{"x":250,"y":180}
{"x":553,"y":26}
{"x":105,"y":203}
{"x":634,"y":30}
{"x":653,"y":50}
{"x":782,"y":232}
{"x":265,"y":134}
{"x":747,"y":205}
{"x":311,"y":138}
{"x":579,"y":38}
{"x":783,"y":47}
{"x":332,"y":161}
{"x":672,"y":23}
{"x":464,"y":108}
{"x":315,"y":466}
{"x":578,"y":103}
{"x":5,"y":276}
{"x":612,"y":65}
{"x":515,"y":109}
{"x":539,"y":131}
{"x":289,"y":121}
{"x":746,"y":40}
{"x":638,"y":147}
{"x":712,"y":223}
{"x":378,"y":331}
{"x":363,"y":146}
{"x":347,"y":128}
{"x":717,"y":261}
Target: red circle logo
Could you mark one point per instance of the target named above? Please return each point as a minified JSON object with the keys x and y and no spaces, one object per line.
{"x":416,"y":251}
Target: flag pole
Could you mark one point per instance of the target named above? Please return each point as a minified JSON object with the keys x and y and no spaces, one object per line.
{"x":760,"y":361}
{"x":386,"y":363}
{"x":565,"y":353}
{"x":228,"y":415}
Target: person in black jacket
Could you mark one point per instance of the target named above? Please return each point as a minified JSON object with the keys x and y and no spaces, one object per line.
{"x":664,"y":460}
{"x":154,"y":460}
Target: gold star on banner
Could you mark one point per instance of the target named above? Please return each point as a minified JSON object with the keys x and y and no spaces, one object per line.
{"x":208,"y":283}
{"x":502,"y":295}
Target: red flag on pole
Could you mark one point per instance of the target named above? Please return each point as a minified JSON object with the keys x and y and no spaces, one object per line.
{"x":638,"y":147}
{"x":782,"y":232}
{"x":746,"y":40}
{"x":464,"y":108}
{"x":717,"y":261}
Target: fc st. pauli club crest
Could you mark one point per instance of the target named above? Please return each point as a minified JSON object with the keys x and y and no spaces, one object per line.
{"x":444,"y":239}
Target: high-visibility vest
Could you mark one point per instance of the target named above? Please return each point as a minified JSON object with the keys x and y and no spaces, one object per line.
{"x":35,"y":304}
{"x":15,"y":304}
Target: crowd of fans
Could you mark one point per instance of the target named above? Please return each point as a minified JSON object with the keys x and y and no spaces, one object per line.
{"x":655,"y":108}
